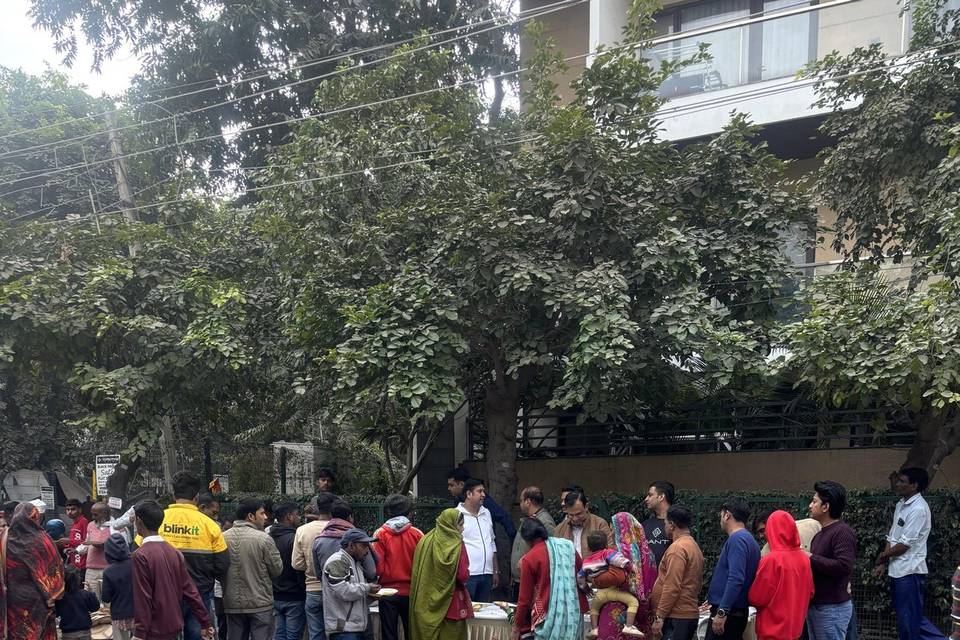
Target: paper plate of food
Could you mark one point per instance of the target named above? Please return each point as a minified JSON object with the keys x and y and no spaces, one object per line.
{"x":386,"y":593}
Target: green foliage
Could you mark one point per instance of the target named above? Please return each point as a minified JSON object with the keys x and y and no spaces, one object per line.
{"x":890,"y":177}
{"x":579,"y":265}
{"x":879,"y":344}
{"x":196,"y":47}
{"x":171,"y":332}
{"x":43,"y":110}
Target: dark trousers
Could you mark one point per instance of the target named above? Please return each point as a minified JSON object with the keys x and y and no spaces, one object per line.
{"x":191,"y":626}
{"x":221,"y":618}
{"x":676,"y":629}
{"x":250,"y":626}
{"x":480,"y":587}
{"x":515,"y":593}
{"x":853,"y":629}
{"x":907,"y":594}
{"x":392,"y":610}
{"x":734,"y":628}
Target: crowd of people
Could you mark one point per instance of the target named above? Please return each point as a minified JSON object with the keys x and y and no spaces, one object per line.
{"x":272,"y":571}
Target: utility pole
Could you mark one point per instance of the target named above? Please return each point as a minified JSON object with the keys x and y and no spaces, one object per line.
{"x":123,"y":185}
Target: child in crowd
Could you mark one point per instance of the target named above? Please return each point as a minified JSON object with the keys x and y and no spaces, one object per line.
{"x":75,"y":607}
{"x":607,"y":569}
{"x":117,"y":589}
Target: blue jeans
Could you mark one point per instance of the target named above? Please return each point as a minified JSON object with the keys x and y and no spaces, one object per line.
{"x":313,"y":607}
{"x":853,"y":630}
{"x":191,"y":626}
{"x":829,"y":621}
{"x":291,"y":618}
{"x":907,"y":594}
{"x":480,"y":587}
{"x":347,"y":635}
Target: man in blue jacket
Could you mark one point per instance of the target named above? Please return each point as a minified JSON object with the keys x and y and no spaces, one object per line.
{"x":736,"y":569}
{"x":455,"y":481}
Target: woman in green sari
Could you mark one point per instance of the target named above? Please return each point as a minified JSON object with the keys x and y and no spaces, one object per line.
{"x":439,"y":602}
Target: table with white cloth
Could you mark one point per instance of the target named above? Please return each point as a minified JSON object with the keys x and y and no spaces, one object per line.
{"x":489,"y":623}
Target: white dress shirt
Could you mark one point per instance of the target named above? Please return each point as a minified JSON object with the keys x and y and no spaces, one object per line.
{"x":911,"y":527}
{"x":479,"y":539}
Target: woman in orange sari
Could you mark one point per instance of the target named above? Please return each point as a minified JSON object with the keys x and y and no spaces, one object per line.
{"x":31,"y":578}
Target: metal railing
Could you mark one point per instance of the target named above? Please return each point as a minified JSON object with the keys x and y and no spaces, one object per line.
{"x":767,"y":426}
{"x":774,"y":43}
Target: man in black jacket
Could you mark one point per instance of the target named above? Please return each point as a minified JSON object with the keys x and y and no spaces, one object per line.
{"x":289,"y":588}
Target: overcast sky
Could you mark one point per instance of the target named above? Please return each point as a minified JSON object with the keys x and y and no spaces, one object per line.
{"x":21,"y":46}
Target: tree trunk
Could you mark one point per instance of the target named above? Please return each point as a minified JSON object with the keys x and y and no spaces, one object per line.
{"x":938,"y":433}
{"x":122,"y":474}
{"x":501,"y":405}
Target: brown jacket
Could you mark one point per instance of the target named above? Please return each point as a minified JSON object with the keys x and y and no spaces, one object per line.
{"x":677,"y":590}
{"x":592,"y":523}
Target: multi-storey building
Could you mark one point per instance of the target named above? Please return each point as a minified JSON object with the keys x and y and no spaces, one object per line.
{"x":756,"y":48}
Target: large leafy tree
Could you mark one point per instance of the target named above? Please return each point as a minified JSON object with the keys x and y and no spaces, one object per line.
{"x":196,"y":52}
{"x":101,"y":348}
{"x":563,"y":256}
{"x":892,"y":178}
{"x":37,"y":111}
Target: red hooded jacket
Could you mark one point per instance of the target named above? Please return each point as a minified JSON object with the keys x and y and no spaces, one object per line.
{"x":783,"y":587}
{"x":396,"y":541}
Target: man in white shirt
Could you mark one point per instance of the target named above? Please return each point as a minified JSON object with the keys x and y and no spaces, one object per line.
{"x":480,"y":542}
{"x":905,"y":556}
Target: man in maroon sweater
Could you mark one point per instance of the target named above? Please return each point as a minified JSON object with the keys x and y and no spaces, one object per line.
{"x":160,"y":582}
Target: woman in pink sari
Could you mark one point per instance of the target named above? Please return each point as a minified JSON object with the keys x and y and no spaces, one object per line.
{"x":630,"y":540}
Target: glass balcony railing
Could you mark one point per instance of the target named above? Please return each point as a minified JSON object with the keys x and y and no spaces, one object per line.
{"x":775,"y":48}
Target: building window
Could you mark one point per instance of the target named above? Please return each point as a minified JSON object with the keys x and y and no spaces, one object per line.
{"x":776,"y":48}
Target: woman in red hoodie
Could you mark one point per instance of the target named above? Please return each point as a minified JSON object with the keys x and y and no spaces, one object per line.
{"x":783,"y":587}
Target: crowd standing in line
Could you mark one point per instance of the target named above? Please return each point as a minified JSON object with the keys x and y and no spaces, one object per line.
{"x":263,"y":575}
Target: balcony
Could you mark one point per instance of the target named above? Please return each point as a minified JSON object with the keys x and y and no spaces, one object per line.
{"x":753,"y":66}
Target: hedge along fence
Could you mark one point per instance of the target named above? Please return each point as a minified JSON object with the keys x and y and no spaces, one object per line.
{"x":870,"y":514}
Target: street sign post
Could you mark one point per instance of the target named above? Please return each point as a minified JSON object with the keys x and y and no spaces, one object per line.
{"x":105,"y":466}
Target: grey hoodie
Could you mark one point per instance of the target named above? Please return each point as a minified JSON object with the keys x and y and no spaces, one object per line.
{"x":345,"y":590}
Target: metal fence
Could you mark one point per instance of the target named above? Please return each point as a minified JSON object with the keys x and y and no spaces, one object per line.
{"x":765,"y":426}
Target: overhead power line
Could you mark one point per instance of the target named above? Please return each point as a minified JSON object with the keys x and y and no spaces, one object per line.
{"x":789,"y":11}
{"x":666,"y":110}
{"x":529,"y":14}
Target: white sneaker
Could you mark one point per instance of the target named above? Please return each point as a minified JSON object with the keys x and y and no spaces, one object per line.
{"x":631,"y":630}
{"x":593,"y":633}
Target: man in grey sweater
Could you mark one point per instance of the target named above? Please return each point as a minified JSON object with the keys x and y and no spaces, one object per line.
{"x":254,"y":562}
{"x":345,"y":589}
{"x":531,"y":504}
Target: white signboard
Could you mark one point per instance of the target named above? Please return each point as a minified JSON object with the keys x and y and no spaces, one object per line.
{"x":115,"y":503}
{"x":105,"y":467}
{"x":48,"y":496}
